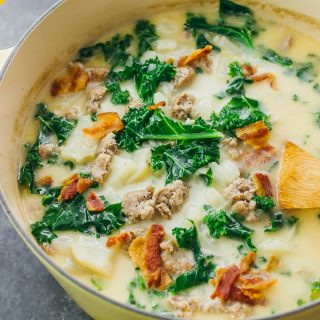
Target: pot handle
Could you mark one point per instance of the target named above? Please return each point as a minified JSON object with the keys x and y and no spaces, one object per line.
{"x":4,"y":54}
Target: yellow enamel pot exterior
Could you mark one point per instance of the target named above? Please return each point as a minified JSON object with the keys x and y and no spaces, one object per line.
{"x":51,"y":42}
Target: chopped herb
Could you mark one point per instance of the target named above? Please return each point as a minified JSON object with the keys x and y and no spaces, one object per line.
{"x":263,"y":259}
{"x":114,"y":50}
{"x":118,"y":96}
{"x":221,"y":223}
{"x":207,"y":177}
{"x":315,"y":291}
{"x":146,"y":34}
{"x":94,"y":117}
{"x":237,"y":113}
{"x":301,"y":302}
{"x":242,"y":250}
{"x":97,"y":284}
{"x":69,"y":164}
{"x":74,"y":215}
{"x":264,"y":203}
{"x":286,"y":273}
{"x":295,"y":98}
{"x":317,"y":118}
{"x":198,"y":70}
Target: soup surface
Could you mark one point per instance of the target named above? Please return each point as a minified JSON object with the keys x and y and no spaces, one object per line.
{"x":173,"y":164}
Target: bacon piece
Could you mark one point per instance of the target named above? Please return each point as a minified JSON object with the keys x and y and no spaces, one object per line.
{"x":44,"y":182}
{"x":146,"y":254}
{"x":262,"y":184}
{"x":226,"y":277}
{"x":247,"y":261}
{"x":272,"y":264}
{"x":259,"y":157}
{"x":255,"y":135}
{"x":248,"y":70}
{"x":106,"y":122}
{"x":196,"y":55}
{"x":299,"y":179}
{"x":94,"y":203}
{"x":269,"y":77}
{"x":75,"y":79}
{"x":157,"y":105}
{"x":83,"y":184}
{"x":120,"y":238}
{"x":256,"y":281}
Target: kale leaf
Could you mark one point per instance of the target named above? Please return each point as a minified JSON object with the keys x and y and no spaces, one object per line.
{"x":264,"y":203}
{"x":315,"y":290}
{"x":142,"y":124}
{"x":221,"y":223}
{"x":117,"y":95}
{"x":188,"y":239}
{"x":274,"y":57}
{"x":59,"y":126}
{"x":237,"y":113}
{"x":114,"y":50}
{"x":184,"y":159}
{"x":207,"y":177}
{"x":199,"y":23}
{"x":146,"y":34}
{"x":74,"y":215}
{"x":280,"y":220}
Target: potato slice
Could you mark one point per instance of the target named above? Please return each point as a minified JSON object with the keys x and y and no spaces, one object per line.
{"x":299,"y":179}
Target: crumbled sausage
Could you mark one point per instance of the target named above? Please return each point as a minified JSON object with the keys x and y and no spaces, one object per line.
{"x":101,"y":167}
{"x":174,"y":260}
{"x":231,"y":145}
{"x":204,"y":63}
{"x":107,"y":145}
{"x":182,"y":306}
{"x":184,"y":76}
{"x":73,"y":113}
{"x":134,"y":103}
{"x":94,"y":96}
{"x":139,"y":205}
{"x":171,"y":198}
{"x":96,"y":74}
{"x":240,"y":192}
{"x":45,"y":150}
{"x":183,"y":106}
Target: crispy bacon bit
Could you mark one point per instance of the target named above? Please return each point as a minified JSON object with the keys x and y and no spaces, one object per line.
{"x":241,"y":284}
{"x":247,"y":261}
{"x":255,"y":135}
{"x":76,"y":79}
{"x":272,"y":264}
{"x":196,"y":55}
{"x":269,"y":77}
{"x":259,"y":157}
{"x":120,"y":238}
{"x":94,"y":203}
{"x":248,"y":70}
{"x":106,"y":122}
{"x":84,"y":184}
{"x":74,"y":185}
{"x":146,"y":254}
{"x":226,"y":277}
{"x":157,"y":105}
{"x":262,"y":184}
{"x":299,"y":179}
{"x":44,"y":182}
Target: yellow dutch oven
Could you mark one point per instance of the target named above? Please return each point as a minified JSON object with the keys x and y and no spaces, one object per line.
{"x":53,"y":40}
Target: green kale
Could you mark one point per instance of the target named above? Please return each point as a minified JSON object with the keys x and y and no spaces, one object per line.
{"x":74,"y":215}
{"x":279,"y":220}
{"x":142,"y":125}
{"x":146,"y":34}
{"x":117,"y":95}
{"x":184,"y":159}
{"x":51,"y":196}
{"x":59,"y":126}
{"x":207,"y":177}
{"x":114,"y":50}
{"x":69,"y":164}
{"x":317,"y":118}
{"x":304,"y":71}
{"x":188,"y":239}
{"x":264,"y":203}
{"x":97,"y":283}
{"x":221,"y":223}
{"x":237,"y":113}
{"x":197,"y":24}
{"x":236,"y":85}
{"x":274,"y":57}
{"x":315,"y":291}
{"x":94,"y":117}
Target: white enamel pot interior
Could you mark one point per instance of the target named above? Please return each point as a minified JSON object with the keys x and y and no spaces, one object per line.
{"x":51,"y":42}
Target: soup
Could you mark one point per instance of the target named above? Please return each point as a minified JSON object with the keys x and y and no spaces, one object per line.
{"x":173,"y":164}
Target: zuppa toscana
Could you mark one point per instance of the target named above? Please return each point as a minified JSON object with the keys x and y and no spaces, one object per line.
{"x":173,"y":164}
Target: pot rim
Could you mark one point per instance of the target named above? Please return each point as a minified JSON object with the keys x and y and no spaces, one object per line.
{"x":27,"y":238}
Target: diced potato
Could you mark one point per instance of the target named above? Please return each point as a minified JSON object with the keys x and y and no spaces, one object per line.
{"x":79,"y":148}
{"x":225,"y":173}
{"x":214,"y":198}
{"x":141,"y":159}
{"x":121,"y":170}
{"x":273,"y":246}
{"x":92,"y":253}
